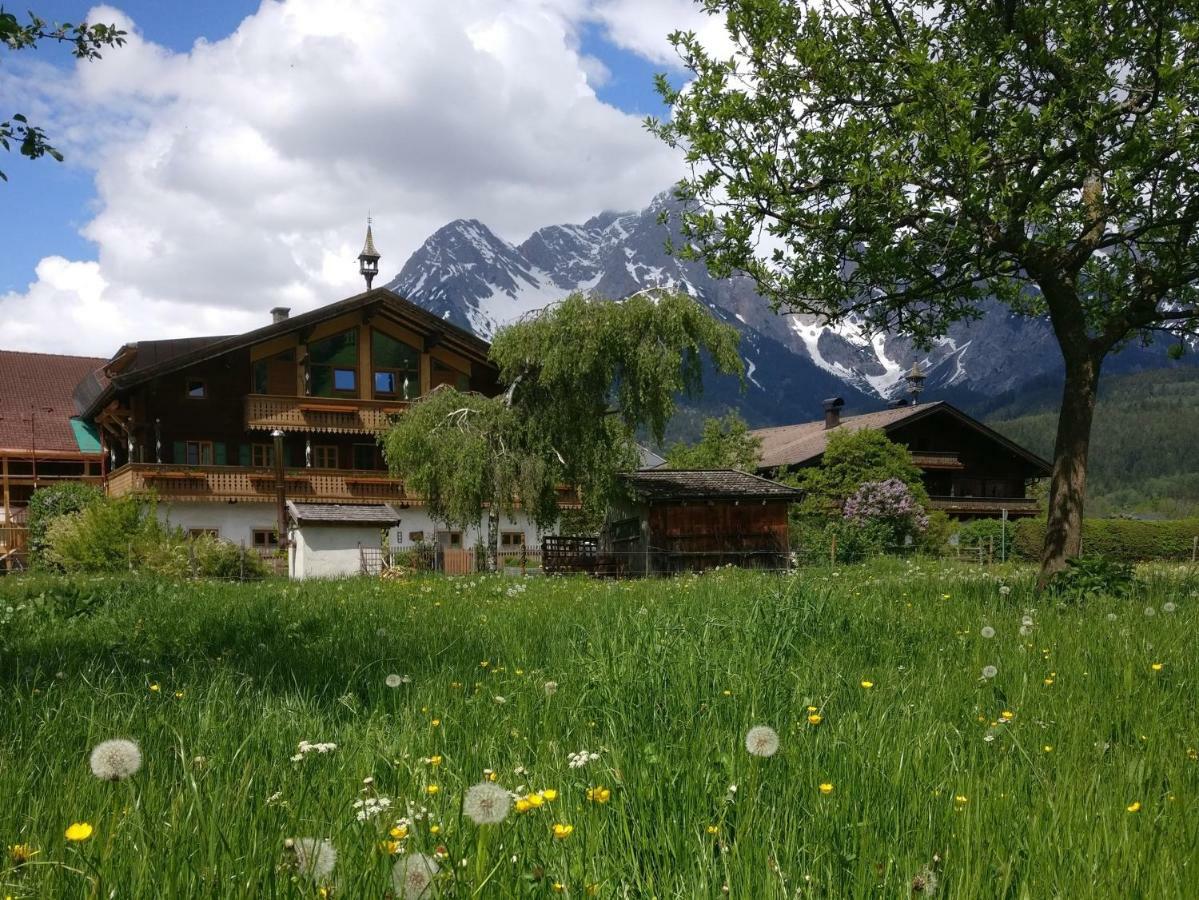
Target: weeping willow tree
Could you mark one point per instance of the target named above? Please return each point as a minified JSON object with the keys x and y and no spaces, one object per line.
{"x":578,"y":382}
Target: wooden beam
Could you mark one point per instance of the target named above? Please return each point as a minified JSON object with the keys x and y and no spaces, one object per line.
{"x":7,"y":501}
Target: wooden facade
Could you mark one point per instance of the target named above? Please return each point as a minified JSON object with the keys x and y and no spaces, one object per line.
{"x":680,"y":521}
{"x":969,"y":470}
{"x":199,"y":427}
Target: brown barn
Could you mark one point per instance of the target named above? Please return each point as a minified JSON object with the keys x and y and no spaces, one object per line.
{"x":687,"y":520}
{"x":969,"y":470}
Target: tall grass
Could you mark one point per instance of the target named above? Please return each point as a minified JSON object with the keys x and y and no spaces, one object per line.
{"x":220,"y":683}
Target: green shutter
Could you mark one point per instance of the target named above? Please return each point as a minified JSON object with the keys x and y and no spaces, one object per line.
{"x":178,"y":453}
{"x":243,"y":454}
{"x":219,"y":456}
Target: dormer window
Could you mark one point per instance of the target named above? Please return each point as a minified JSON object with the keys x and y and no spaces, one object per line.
{"x":396,"y":367}
{"x":196,"y":389}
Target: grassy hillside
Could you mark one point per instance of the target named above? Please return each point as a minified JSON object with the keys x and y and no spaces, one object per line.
{"x":1145,"y":445}
{"x":1072,"y":770}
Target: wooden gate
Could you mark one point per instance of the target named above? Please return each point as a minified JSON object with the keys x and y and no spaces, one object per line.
{"x":458,"y":562}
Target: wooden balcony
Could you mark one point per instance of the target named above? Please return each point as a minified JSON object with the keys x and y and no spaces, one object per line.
{"x":987,"y":507}
{"x":320,"y":414}
{"x":222,"y":484}
{"x":937,"y":459}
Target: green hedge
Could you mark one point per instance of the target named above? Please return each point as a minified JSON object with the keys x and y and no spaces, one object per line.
{"x":1124,"y":539}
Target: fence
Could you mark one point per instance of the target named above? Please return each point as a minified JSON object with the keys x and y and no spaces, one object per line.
{"x":406,"y":558}
{"x":14,"y":548}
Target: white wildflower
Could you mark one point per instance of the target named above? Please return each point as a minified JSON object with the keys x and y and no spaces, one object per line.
{"x":762,"y":740}
{"x":1004,"y":590}
{"x":413,"y":874}
{"x":580,"y":759}
{"x":314,"y":857}
{"x":115,"y":760}
{"x":371,"y":807}
{"x":486,"y":803}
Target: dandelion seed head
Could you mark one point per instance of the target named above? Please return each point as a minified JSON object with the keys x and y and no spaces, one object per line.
{"x":393,"y":680}
{"x":314,"y":857}
{"x":115,"y":760}
{"x":1150,"y":611}
{"x":762,"y":740}
{"x":486,"y":803}
{"x":987,"y":631}
{"x":551,"y":688}
{"x":1025,"y":630}
{"x":412,"y":875}
{"x":990,"y":671}
{"x":1169,"y":606}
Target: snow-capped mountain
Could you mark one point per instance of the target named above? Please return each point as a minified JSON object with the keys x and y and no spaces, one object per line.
{"x":467,"y":274}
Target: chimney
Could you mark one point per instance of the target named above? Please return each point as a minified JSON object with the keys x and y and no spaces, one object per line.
{"x":832,"y":412}
{"x":279,"y":314}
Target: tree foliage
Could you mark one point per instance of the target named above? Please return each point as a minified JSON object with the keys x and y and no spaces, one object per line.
{"x":579,"y":380}
{"x":86,"y":42}
{"x":901,"y":162}
{"x":726,"y":443}
{"x":852,"y":459}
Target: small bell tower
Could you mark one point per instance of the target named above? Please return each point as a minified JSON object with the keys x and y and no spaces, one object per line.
{"x":368,"y":259}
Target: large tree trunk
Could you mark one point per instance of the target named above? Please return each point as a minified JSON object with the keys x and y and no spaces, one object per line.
{"x":493,"y":536}
{"x":1067,"y":490}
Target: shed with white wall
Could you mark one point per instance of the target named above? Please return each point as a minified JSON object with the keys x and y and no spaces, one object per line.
{"x":327,"y":539}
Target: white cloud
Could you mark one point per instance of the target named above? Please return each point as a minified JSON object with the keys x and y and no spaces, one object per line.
{"x":643,"y":27}
{"x":237,"y":176}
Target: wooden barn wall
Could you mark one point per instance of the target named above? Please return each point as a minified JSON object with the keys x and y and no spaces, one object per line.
{"x":991,"y":470}
{"x":719,"y":526}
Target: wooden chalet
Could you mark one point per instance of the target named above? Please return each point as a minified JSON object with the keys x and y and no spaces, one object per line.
{"x":199,"y":421}
{"x":687,"y":520}
{"x":969,"y":470}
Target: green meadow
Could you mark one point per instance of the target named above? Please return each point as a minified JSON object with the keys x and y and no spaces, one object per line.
{"x":902,"y":770}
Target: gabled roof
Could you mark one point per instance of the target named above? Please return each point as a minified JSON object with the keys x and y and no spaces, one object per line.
{"x":343,"y":513}
{"x":706,"y":484}
{"x":792,"y":445}
{"x":36,"y":404}
{"x":171,"y":356}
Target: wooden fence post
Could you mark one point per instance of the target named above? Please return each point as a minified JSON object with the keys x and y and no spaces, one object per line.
{"x":241,"y":562}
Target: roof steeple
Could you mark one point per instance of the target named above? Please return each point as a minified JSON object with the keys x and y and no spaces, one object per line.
{"x":368,"y":259}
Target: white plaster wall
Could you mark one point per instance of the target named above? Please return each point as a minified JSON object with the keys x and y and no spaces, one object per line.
{"x":330,"y":551}
{"x":235,"y":521}
{"x":417,"y":518}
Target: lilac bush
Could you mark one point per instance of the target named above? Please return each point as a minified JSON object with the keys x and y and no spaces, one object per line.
{"x":887,"y":503}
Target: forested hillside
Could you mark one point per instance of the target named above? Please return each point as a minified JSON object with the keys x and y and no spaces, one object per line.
{"x":1145,"y":444}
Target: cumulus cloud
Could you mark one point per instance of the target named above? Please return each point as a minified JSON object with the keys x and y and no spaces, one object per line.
{"x":237,"y":176}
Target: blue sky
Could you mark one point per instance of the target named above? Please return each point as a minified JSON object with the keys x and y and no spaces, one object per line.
{"x":223,"y":161}
{"x":52,"y":202}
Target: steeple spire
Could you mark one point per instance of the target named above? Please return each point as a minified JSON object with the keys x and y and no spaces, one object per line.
{"x":368,"y":259}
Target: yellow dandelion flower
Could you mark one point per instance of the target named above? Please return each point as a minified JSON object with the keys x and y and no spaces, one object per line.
{"x":523,"y":805}
{"x":178,"y":695}
{"x":811,"y":709}
{"x":727,"y":693}
{"x":815,"y":719}
{"x":399,"y":832}
{"x":79,"y":831}
{"x":535,"y":800}
{"x":712,"y":829}
{"x":826,"y":788}
{"x":562,"y":831}
{"x":599,"y":794}
{"x":432,"y":789}
{"x":391,"y":848}
{"x":867,"y":684}
{"x":960,"y":800}
{"x":1134,"y":807}
{"x":1048,"y":681}
{"x":1048,"y":748}
{"x":435,"y":723}
{"x":559,"y":887}
{"x":549,"y":794}
{"x":155,"y":687}
{"x":434,"y":829}
{"x":435,"y":760}
{"x":1156,"y":667}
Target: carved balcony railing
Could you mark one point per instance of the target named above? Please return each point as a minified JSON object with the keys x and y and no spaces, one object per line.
{"x":987,"y":506}
{"x":937,"y":459}
{"x":254,"y":485}
{"x":320,"y":414}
